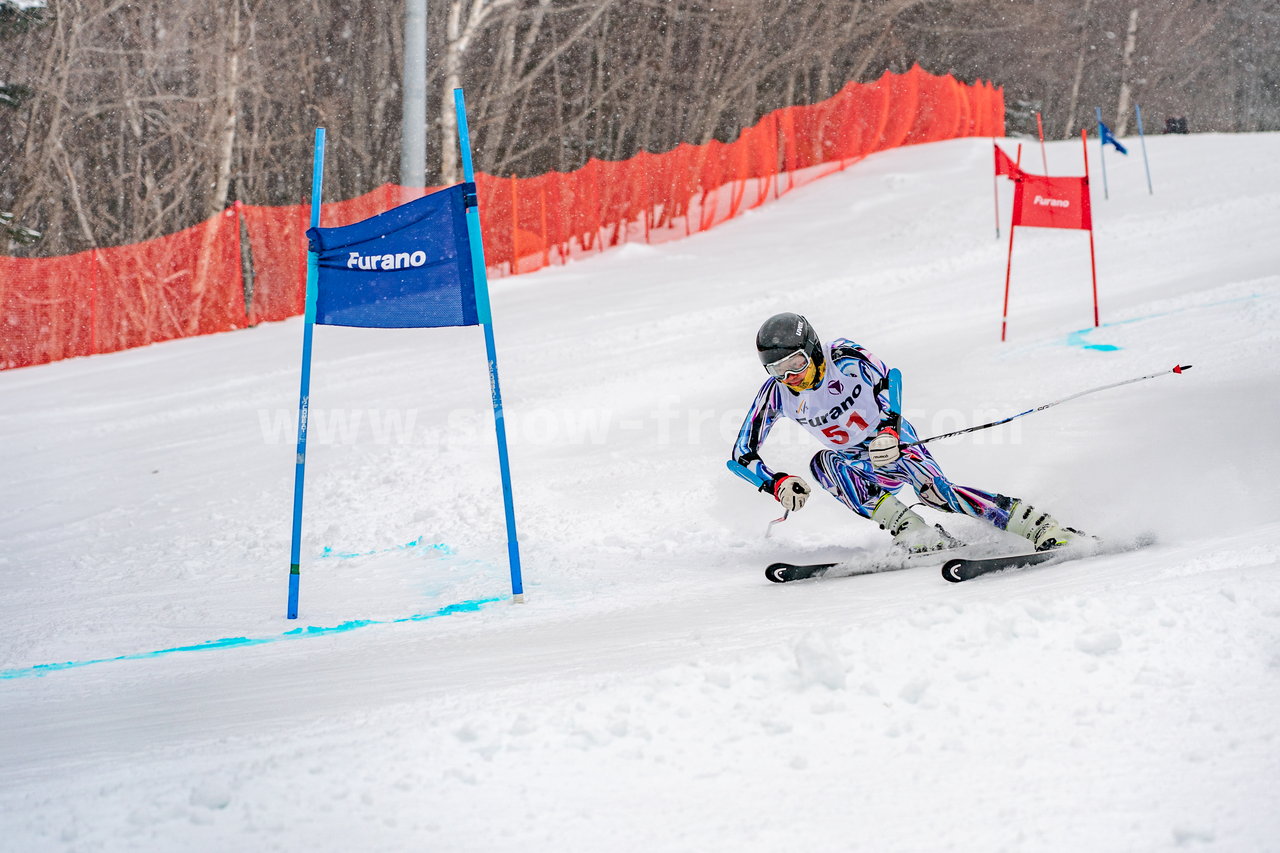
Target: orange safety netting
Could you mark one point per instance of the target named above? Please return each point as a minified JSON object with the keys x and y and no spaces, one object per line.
{"x":105,"y":300}
{"x":193,"y":282}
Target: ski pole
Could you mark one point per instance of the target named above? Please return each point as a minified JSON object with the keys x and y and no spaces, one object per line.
{"x":1180,"y":368}
{"x":769,"y":529}
{"x":756,"y":480}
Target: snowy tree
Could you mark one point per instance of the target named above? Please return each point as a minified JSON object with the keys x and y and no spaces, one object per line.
{"x":122,"y":121}
{"x":17,"y":16}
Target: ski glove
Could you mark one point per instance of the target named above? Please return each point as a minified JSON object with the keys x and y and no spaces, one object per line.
{"x":791,"y":491}
{"x":884,"y":449}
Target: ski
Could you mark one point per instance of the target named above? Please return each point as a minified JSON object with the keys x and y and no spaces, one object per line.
{"x":787,"y":572}
{"x":963,"y":569}
{"x":784,"y":572}
{"x":954,"y":569}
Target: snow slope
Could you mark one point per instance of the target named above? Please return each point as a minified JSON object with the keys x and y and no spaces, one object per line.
{"x":655,"y":692}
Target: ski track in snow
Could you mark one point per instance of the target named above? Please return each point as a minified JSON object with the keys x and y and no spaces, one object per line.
{"x":656,"y":692}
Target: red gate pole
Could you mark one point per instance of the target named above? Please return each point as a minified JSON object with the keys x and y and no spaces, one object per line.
{"x":1008,"y":271}
{"x":1043,"y":157}
{"x":1093,"y":265}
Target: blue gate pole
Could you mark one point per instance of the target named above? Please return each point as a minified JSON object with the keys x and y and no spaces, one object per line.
{"x":304,"y":391}
{"x":485,"y":316}
{"x":1142,"y":137}
{"x":1102,"y":154}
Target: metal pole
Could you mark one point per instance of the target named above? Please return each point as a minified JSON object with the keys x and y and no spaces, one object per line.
{"x":1102,"y":155}
{"x":1143,"y":138}
{"x":995,"y":189}
{"x":413,"y":121}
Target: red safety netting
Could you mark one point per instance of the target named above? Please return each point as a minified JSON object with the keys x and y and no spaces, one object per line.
{"x":192,"y":283}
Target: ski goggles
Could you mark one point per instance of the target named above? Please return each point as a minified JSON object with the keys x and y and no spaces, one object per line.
{"x":796,"y":362}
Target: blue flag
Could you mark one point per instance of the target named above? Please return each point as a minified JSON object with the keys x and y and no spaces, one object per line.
{"x":407,"y":268}
{"x":1104,"y":133}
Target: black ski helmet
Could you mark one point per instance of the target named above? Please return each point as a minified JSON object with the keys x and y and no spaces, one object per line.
{"x":783,"y":334}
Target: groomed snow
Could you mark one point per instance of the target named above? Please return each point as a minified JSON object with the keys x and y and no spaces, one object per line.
{"x":655,"y":692}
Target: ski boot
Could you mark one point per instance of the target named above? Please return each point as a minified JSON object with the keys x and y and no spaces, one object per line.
{"x":1040,"y":528}
{"x":909,"y":530}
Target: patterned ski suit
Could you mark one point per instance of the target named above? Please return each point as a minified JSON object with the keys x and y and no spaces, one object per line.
{"x":844,"y":412}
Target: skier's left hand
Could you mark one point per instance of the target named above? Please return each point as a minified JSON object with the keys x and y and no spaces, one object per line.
{"x":884,"y":449}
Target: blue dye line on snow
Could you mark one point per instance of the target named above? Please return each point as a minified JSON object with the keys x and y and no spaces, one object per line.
{"x":417,"y":543}
{"x":236,"y":642}
{"x":1078,"y":338}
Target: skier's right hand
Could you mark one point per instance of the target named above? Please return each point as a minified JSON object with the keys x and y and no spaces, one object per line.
{"x":791,"y":491}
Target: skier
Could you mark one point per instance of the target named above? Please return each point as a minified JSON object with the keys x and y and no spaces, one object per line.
{"x":841,"y":394}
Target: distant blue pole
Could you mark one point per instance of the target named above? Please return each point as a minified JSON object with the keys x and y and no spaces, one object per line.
{"x":485,"y":316}
{"x":304,"y":391}
{"x":1142,"y":137}
{"x":1102,"y":154}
